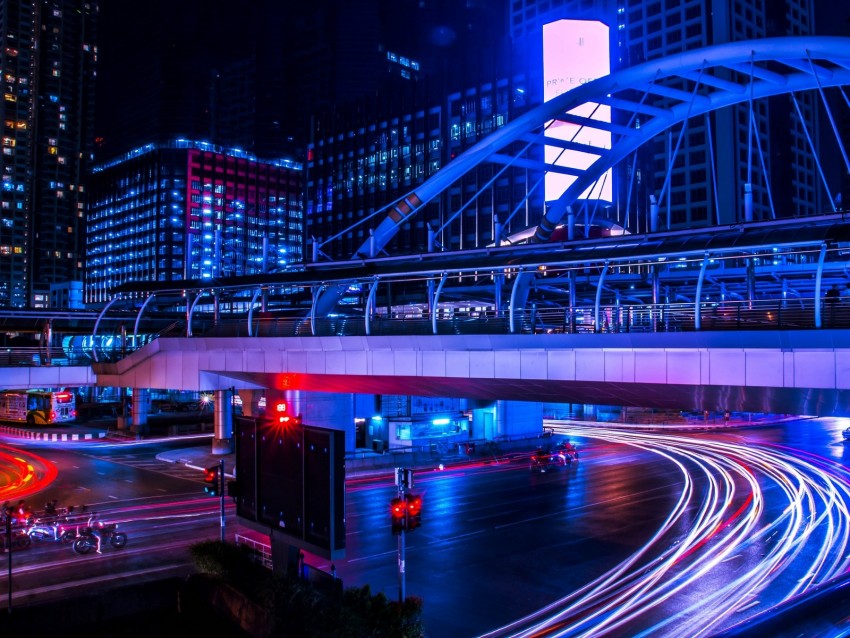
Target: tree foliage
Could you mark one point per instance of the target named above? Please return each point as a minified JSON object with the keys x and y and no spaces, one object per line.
{"x":300,"y":609}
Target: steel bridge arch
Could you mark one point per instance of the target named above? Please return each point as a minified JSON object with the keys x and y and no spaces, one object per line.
{"x":665,"y":92}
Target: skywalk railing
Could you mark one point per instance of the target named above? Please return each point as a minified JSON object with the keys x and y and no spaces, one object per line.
{"x":770,"y":314}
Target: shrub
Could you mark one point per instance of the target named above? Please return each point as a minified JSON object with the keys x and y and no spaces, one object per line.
{"x":301,"y":610}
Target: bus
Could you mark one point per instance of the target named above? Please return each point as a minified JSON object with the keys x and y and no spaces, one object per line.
{"x":37,"y":407}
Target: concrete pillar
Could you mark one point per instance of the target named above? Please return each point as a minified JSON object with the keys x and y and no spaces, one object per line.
{"x":141,"y":407}
{"x":518,"y":418}
{"x":223,"y":423}
{"x":506,"y":418}
{"x":250,"y":401}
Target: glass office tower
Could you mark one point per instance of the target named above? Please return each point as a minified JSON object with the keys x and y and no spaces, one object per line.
{"x":190,"y":210}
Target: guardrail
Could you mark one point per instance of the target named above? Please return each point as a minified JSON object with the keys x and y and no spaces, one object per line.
{"x":771,"y":314}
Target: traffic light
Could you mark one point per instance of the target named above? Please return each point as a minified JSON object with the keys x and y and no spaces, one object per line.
{"x":211,"y":481}
{"x":398,"y":514}
{"x":281,"y":416}
{"x":414,"y":511}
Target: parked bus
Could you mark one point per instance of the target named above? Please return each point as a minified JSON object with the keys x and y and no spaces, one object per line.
{"x":35,"y":407}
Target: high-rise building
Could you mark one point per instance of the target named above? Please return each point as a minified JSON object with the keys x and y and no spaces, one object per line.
{"x":355,"y":171}
{"x":190,"y":210}
{"x":361,"y":160}
{"x":644,"y":30}
{"x":48,"y":71}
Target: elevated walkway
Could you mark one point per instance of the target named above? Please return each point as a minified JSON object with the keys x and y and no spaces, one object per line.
{"x":790,"y":372}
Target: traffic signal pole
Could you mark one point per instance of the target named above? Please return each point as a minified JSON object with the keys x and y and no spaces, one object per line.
{"x":401,"y":595}
{"x":403,"y":481}
{"x":221,"y":493}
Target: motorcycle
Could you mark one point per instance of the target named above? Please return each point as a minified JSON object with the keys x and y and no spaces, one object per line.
{"x":569,"y":450}
{"x":69,"y":521}
{"x":20,"y":539}
{"x":44,"y":529}
{"x":86,"y":541}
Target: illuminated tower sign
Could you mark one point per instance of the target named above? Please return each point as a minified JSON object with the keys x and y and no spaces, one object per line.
{"x":574,"y":53}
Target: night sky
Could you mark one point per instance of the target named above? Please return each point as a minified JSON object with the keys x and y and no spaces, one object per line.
{"x":201,"y":36}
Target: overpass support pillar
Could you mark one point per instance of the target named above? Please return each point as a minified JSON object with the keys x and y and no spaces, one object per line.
{"x":250,"y":402}
{"x":140,"y":409}
{"x":507,"y":418}
{"x":223,"y":422}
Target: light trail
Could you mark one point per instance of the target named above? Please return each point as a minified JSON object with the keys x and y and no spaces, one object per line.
{"x":735,"y":499}
{"x":23,"y":473}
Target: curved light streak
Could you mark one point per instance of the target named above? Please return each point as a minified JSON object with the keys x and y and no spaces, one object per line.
{"x":23,"y":473}
{"x":727,"y":493}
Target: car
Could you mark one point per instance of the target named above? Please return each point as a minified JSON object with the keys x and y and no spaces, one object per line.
{"x":545,"y":459}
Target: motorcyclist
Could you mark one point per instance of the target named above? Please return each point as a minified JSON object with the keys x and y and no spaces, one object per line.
{"x":50,"y":508}
{"x":95,"y":525}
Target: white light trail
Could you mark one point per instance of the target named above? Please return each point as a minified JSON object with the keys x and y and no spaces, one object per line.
{"x":724,"y":510}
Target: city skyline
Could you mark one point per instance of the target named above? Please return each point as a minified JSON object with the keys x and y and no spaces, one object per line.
{"x":274,"y":81}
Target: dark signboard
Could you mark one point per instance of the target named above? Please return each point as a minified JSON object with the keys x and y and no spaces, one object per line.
{"x":292,"y":479}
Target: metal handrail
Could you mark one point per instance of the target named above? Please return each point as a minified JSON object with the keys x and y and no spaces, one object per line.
{"x":766,"y":314}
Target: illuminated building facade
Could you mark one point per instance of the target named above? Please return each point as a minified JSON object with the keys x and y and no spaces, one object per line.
{"x":48,"y":72}
{"x":643,"y":30}
{"x":355,"y":172}
{"x":190,"y":210}
{"x":358,"y":163}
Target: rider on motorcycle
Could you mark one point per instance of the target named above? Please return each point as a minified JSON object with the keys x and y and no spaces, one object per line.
{"x":95,"y":525}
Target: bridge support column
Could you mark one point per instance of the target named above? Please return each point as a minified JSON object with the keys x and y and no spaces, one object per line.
{"x":250,"y":400}
{"x":223,"y":422}
{"x":507,"y":418}
{"x":141,"y":407}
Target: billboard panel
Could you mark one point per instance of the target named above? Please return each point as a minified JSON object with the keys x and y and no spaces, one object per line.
{"x":291,"y":483}
{"x":574,"y":53}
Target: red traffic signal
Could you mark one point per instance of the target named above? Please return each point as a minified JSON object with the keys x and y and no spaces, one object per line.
{"x":212,"y":481}
{"x":280,"y":412}
{"x":413,"y":502}
{"x":398,"y":508}
{"x":398,"y":515}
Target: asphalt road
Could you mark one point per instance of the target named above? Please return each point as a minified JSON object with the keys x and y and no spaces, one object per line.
{"x":497,"y":542}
